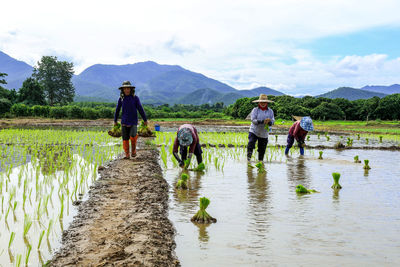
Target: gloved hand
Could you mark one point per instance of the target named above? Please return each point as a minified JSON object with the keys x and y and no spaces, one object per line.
{"x":181,"y":164}
{"x":267,"y":121}
{"x":302,"y":144}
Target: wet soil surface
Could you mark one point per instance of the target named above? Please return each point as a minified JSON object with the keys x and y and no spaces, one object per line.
{"x":125,"y":221}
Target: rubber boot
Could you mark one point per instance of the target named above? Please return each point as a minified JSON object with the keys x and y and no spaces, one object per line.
{"x":287,"y":150}
{"x":302,"y":151}
{"x":249,"y":154}
{"x":133,"y":144}
{"x":125,"y":144}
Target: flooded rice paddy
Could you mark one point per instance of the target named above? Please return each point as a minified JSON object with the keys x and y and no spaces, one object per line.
{"x":44,"y":174}
{"x":263,"y":222}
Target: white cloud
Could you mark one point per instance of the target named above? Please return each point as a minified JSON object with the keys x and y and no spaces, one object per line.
{"x":239,"y":42}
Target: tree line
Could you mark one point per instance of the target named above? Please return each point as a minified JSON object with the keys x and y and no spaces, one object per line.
{"x":386,"y":108}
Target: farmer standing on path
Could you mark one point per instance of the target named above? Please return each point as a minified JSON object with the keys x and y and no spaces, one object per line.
{"x":262,"y":118}
{"x":299,"y":131}
{"x":187,"y":137}
{"x":130,"y":104}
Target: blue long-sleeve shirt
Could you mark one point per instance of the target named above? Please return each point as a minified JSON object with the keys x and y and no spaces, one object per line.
{"x":130,"y":105}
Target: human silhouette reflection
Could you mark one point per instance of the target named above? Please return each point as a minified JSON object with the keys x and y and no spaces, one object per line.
{"x":259,"y":202}
{"x":298,"y":172}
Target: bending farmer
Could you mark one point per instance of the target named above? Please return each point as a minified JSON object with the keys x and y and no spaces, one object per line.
{"x":187,"y":137}
{"x":262,"y":118}
{"x":130,"y":104}
{"x":299,"y":131}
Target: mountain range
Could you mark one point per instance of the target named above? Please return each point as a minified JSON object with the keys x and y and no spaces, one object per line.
{"x":159,"y":84}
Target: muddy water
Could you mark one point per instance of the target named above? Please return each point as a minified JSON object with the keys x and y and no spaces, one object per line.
{"x":263,"y":222}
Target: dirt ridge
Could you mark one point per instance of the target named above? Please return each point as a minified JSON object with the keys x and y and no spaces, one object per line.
{"x":125,"y":221}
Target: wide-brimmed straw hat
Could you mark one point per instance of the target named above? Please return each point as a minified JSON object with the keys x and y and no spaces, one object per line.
{"x":263,"y":98}
{"x":126,"y":84}
{"x":185,"y":137}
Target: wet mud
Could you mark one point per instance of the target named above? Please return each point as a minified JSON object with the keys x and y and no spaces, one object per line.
{"x":125,"y":221}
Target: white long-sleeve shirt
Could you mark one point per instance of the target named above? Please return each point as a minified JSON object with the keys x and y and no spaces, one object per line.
{"x":260,"y":115}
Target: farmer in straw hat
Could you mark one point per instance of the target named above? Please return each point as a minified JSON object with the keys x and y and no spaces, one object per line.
{"x":262,"y":118}
{"x":299,"y":131}
{"x":130,"y":104}
{"x":187,"y":137}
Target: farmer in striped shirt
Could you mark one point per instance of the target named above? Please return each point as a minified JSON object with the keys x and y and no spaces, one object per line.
{"x":187,"y":137}
{"x":262,"y":118}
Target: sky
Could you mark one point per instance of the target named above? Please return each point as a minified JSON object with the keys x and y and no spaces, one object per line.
{"x":295,"y":46}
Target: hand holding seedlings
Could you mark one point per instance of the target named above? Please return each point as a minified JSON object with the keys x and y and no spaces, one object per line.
{"x":336,"y":177}
{"x":202,"y":216}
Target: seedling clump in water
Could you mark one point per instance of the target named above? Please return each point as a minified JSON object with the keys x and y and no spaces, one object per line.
{"x":366,"y":166}
{"x":201,"y":167}
{"x":202,"y":216}
{"x":336,"y":177}
{"x":182,"y":183}
{"x":300,"y":189}
{"x":260,"y":167}
{"x":356,"y":160}
{"x":320,"y":155}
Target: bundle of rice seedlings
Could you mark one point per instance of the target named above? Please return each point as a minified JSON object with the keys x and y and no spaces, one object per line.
{"x":182,"y":183}
{"x":145,"y":131}
{"x":202,"y":216}
{"x":300,"y":189}
{"x":336,"y":177}
{"x":116,"y":131}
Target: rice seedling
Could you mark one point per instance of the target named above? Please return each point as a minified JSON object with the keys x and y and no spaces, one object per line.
{"x":27,"y":224}
{"x":328,"y":138}
{"x":358,"y":136}
{"x":308,"y":138}
{"x":320,"y":154}
{"x":356,"y":160}
{"x":336,"y":177}
{"x":366,"y":164}
{"x":182,"y":183}
{"x":260,"y":167}
{"x":10,"y":241}
{"x":366,"y":141}
{"x":202,"y":216}
{"x":41,"y":238}
{"x":28,"y":253}
{"x":200,"y":168}
{"x":380,"y":138}
{"x":318,"y":135}
{"x":18,"y":260}
{"x":300,"y":189}
{"x":349,"y":141}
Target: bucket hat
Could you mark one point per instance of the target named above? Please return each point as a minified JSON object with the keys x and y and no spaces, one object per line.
{"x":185,"y":137}
{"x":307,"y":124}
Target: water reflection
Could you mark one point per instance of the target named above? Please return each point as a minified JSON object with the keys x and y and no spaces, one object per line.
{"x":259,"y":203}
{"x":203,"y":234}
{"x":298,"y":172}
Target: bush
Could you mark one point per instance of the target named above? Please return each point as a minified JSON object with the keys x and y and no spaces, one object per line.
{"x":5,"y":105}
{"x":58,"y":112}
{"x":74,"y":112}
{"x":40,"y":111}
{"x":106,"y":113}
{"x":20,"y":110}
{"x":90,"y":113}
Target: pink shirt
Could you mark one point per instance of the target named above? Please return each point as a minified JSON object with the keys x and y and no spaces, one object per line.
{"x":298,"y":132}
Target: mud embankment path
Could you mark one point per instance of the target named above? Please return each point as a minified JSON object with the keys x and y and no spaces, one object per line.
{"x":125,"y":221}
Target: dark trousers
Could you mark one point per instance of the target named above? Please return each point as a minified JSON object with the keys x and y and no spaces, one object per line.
{"x":128,"y":131}
{"x":197,"y":152}
{"x":290,"y":142}
{"x":262,"y":145}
